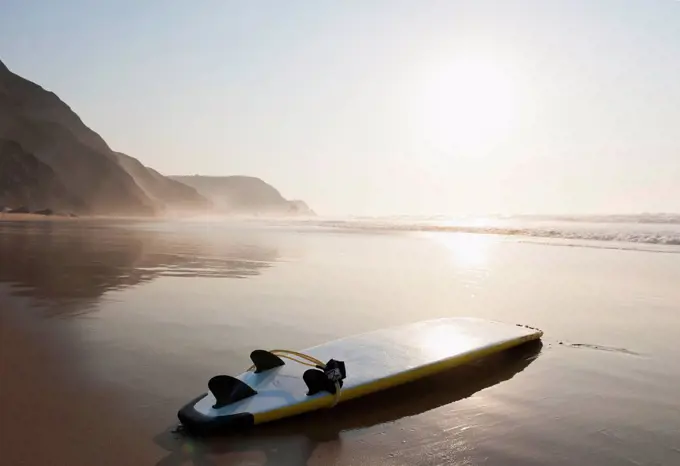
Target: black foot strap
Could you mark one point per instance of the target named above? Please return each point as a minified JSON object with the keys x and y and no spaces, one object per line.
{"x":227,"y":389}
{"x":264,"y":360}
{"x":318,"y":380}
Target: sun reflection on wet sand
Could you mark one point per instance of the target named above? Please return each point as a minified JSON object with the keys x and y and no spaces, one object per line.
{"x":468,"y":250}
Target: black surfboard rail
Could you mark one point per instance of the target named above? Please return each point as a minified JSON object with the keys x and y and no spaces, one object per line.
{"x":199,"y":424}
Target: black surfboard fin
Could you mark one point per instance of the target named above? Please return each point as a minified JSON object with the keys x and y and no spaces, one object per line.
{"x":227,"y":389}
{"x":264,"y":360}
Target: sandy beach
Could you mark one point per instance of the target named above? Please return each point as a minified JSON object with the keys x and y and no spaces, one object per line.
{"x":107,"y":330}
{"x":51,"y":414}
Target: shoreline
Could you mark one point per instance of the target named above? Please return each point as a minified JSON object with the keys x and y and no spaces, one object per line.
{"x":10,"y":217}
{"x":163,"y":216}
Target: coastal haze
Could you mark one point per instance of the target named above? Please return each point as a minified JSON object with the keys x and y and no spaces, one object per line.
{"x":181,"y":185}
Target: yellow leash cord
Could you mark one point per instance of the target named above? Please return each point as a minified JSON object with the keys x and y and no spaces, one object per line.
{"x":305,"y":360}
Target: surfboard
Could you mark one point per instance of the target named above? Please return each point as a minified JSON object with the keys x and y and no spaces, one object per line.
{"x":357,"y":365}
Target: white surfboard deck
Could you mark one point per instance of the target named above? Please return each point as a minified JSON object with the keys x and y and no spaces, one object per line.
{"x":374,"y":361}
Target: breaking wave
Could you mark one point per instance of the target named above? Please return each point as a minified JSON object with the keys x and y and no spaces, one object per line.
{"x":665,"y":231}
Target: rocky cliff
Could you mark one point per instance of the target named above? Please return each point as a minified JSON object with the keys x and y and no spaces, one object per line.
{"x":41,"y":132}
{"x":244,"y":194}
{"x":27,"y":182}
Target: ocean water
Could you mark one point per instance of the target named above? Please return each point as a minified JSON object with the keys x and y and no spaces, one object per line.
{"x":148,"y":311}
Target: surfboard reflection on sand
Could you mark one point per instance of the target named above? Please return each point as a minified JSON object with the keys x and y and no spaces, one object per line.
{"x":292,"y":441}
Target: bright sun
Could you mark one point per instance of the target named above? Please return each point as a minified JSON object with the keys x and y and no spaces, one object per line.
{"x":468,"y":106}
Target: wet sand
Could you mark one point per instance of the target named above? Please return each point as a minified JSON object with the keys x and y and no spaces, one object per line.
{"x":106,"y":330}
{"x":50,"y":414}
